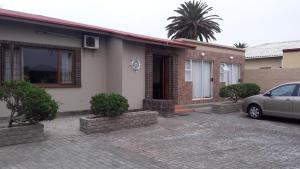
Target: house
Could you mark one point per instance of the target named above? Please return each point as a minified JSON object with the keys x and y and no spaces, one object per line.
{"x":75,"y":61}
{"x":273,"y":55}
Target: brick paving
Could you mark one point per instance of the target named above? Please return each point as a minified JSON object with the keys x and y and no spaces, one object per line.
{"x":200,"y":140}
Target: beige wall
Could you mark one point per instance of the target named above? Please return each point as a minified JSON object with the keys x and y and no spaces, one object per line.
{"x":29,"y":33}
{"x":133,"y":85}
{"x":114,"y":65}
{"x":93,"y":81}
{"x":291,"y":59}
{"x":104,"y":70}
{"x":274,"y":63}
{"x":269,"y":78}
{"x":93,"y":63}
{"x":121,"y":78}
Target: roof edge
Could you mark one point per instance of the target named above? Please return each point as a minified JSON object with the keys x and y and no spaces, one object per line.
{"x":263,"y":57}
{"x":209,"y":44}
{"x":55,"y":21}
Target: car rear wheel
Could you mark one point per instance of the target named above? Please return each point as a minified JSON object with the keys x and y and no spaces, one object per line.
{"x":255,"y":111}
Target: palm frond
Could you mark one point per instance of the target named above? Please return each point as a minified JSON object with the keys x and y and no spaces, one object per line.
{"x":194,"y":22}
{"x":241,"y":45}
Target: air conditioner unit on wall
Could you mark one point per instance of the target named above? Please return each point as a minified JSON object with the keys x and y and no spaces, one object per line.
{"x":91,"y":42}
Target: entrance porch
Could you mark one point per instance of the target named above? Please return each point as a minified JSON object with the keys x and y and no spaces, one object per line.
{"x":161,"y":80}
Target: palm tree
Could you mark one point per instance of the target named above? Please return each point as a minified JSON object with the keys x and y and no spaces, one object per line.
{"x":193,"y":22}
{"x":241,"y":45}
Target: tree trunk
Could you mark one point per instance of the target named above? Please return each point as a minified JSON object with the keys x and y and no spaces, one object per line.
{"x":10,"y":122}
{"x":11,"y":119}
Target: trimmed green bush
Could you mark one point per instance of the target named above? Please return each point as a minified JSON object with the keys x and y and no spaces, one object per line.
{"x":236,"y":91}
{"x":28,"y":103}
{"x":249,"y":89}
{"x":109,"y":105}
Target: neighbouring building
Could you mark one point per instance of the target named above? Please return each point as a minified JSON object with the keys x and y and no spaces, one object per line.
{"x":75,"y":61}
{"x":291,"y":58}
{"x":273,"y":55}
{"x":271,"y":64}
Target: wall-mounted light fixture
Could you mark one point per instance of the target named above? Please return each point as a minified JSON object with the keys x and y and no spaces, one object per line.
{"x":202,"y":53}
{"x":231,"y":57}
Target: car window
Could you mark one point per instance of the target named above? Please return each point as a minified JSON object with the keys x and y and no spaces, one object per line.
{"x":286,"y":90}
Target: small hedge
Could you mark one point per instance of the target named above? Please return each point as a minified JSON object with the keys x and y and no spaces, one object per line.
{"x":28,"y":103}
{"x":236,"y":91}
{"x":109,"y":105}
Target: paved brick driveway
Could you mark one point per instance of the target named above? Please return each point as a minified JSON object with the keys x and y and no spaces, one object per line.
{"x":201,"y":140}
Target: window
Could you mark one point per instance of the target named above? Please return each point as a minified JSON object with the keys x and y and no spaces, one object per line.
{"x":285,"y":90}
{"x":40,"y":65}
{"x":199,"y":73}
{"x":223,"y":75}
{"x":229,"y":73}
{"x":37,"y":65}
{"x":47,"y":66}
{"x":12,"y":63}
{"x":188,"y":70}
{"x":66,"y":66}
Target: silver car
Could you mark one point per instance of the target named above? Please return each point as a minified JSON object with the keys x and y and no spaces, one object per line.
{"x":283,"y":101}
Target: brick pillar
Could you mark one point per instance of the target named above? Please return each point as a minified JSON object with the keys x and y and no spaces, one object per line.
{"x":175,"y":78}
{"x":172,"y":77}
{"x":149,"y":75}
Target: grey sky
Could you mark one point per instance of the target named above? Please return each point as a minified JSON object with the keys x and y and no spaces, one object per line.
{"x":251,"y":21}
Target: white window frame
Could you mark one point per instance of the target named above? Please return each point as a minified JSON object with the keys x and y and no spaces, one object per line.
{"x":211,"y":77}
{"x":188,"y":70}
{"x":223,"y":72}
{"x":229,"y":74}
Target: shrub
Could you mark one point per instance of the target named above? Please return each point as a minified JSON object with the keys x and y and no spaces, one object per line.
{"x":109,"y":105}
{"x":249,"y":89}
{"x":236,"y":91}
{"x":27,"y":102}
{"x":224,"y":92}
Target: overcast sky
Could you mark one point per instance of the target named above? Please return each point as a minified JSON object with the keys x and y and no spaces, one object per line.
{"x":250,"y":21}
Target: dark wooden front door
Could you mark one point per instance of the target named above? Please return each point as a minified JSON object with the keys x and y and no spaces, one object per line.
{"x":165,"y":78}
{"x":160,"y":77}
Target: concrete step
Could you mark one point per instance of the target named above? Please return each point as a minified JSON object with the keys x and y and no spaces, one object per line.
{"x":181,"y":110}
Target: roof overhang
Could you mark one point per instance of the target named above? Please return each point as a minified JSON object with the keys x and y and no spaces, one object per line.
{"x":261,"y":57}
{"x":54,"y":22}
{"x":292,"y":50}
{"x":212,"y":45}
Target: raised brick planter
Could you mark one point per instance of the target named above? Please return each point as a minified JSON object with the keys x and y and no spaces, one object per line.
{"x":226,"y":107}
{"x":21,"y":134}
{"x":90,"y":125}
{"x":166,"y":108}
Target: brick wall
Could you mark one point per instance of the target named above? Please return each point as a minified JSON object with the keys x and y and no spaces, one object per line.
{"x":269,"y":78}
{"x":21,"y":134}
{"x":165,"y":108}
{"x":149,"y":75}
{"x":181,"y":91}
{"x":185,"y":89}
{"x":127,"y":120}
{"x":171,"y":54}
